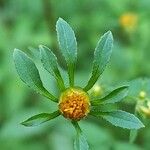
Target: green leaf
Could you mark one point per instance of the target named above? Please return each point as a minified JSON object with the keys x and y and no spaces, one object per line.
{"x":122,"y":119}
{"x":40,"y":118}
{"x":80,"y":142}
{"x":103,"y":108}
{"x":101,"y":58}
{"x":133,"y":135}
{"x":49,"y":61}
{"x":68,"y":46}
{"x":29,"y":73}
{"x":113,"y":97}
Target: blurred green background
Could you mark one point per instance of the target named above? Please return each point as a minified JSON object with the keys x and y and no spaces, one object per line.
{"x":25,"y":24}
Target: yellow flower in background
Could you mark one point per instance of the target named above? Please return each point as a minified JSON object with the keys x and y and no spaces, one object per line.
{"x":97,"y":90}
{"x":143,"y":105}
{"x":128,"y":20}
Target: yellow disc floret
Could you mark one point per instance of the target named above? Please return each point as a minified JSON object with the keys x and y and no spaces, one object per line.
{"x":74,"y":104}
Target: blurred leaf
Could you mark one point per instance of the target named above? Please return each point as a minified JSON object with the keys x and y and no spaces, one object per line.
{"x":101,"y":58}
{"x":68,"y":46}
{"x":113,"y":97}
{"x":40,"y":118}
{"x":80,"y":142}
{"x":133,"y":135}
{"x":29,"y":73}
{"x":124,"y":146}
{"x":49,"y":61}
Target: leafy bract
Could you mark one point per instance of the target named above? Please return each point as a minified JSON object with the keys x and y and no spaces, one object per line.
{"x":68,"y":46}
{"x":113,"y":97}
{"x":121,"y":119}
{"x":29,"y":73}
{"x":101,"y":58}
{"x":40,"y":118}
{"x":49,"y":61}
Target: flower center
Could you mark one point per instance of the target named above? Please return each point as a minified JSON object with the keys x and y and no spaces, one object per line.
{"x":74,"y":104}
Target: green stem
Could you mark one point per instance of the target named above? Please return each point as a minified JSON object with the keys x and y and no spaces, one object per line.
{"x":71,"y":68}
{"x":77,"y":127}
{"x":49,"y":96}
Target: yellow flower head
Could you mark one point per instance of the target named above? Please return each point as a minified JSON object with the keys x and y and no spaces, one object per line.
{"x":128,"y":20}
{"x":74,"y":104}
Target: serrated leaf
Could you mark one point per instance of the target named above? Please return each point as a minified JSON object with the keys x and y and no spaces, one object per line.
{"x":40,"y":118}
{"x":101,"y":58}
{"x":68,"y":46}
{"x":49,"y":61}
{"x":80,"y":142}
{"x":29,"y":73}
{"x":122,"y":119}
{"x":113,"y":97}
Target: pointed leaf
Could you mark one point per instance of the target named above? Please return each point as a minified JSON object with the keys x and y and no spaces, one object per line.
{"x":101,"y":58}
{"x":113,"y":97}
{"x":29,"y":73}
{"x":80,"y":142}
{"x":49,"y":61}
{"x":40,"y":118}
{"x":122,"y":119}
{"x":68,"y":46}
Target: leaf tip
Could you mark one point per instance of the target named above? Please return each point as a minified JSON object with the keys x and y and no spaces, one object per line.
{"x":142,"y":125}
{"x":60,"y":19}
{"x":40,"y":46}
{"x":109,"y":33}
{"x":24,"y":123}
{"x":15,"y":51}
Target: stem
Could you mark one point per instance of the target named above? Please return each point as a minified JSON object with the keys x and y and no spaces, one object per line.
{"x":71,"y":68}
{"x":77,"y":127}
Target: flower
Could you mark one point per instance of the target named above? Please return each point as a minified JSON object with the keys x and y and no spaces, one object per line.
{"x":128,"y":20}
{"x":74,"y":103}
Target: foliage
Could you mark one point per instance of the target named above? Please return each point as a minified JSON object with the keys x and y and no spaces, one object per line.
{"x":30,"y":23}
{"x":29,"y":74}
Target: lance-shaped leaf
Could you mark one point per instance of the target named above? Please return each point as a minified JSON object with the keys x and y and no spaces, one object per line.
{"x":40,"y":118}
{"x":49,"y":61}
{"x":80,"y":142}
{"x":121,"y":119}
{"x":103,"y":108}
{"x":68,"y":46}
{"x":101,"y":58}
{"x":29,"y":73}
{"x":113,"y":97}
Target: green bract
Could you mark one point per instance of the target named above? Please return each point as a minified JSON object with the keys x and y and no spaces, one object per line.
{"x":100,"y":107}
